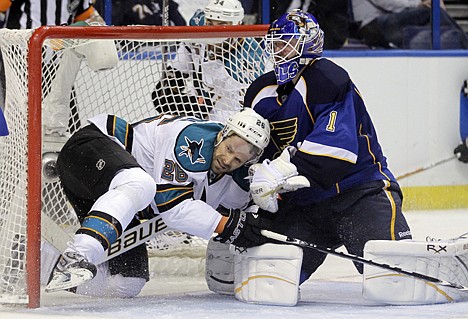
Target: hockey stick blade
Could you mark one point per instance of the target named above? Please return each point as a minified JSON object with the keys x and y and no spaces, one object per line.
{"x":326,"y":250}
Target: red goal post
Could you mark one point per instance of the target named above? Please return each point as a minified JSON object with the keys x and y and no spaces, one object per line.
{"x":34,"y":192}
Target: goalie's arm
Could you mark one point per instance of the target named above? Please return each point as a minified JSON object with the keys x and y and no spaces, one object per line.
{"x":321,"y":171}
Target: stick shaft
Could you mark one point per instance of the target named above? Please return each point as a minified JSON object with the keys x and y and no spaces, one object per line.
{"x":425,"y":168}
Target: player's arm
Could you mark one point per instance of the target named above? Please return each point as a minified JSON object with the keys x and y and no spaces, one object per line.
{"x":4,"y":6}
{"x":87,"y":13}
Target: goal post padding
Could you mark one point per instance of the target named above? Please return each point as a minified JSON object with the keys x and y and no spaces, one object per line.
{"x":31,"y":59}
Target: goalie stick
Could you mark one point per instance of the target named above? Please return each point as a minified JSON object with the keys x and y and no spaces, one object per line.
{"x":297,"y":242}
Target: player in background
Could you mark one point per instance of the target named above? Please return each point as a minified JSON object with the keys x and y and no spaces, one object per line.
{"x":3,"y":124}
{"x":59,"y":106}
{"x":144,"y":12}
{"x":210,"y":77}
{"x":461,"y":151}
{"x":183,"y":166}
{"x":319,"y":123}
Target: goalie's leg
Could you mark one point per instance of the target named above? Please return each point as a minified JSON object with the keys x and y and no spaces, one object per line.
{"x":350,"y":219}
{"x":443,"y":259}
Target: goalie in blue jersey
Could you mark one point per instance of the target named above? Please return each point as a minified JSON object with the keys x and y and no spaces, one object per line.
{"x":323,"y":139}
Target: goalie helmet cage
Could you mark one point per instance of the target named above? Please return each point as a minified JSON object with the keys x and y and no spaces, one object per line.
{"x":32,"y":208}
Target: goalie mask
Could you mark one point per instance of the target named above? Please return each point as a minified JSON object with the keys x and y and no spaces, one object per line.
{"x":251,"y":127}
{"x":293,"y":36}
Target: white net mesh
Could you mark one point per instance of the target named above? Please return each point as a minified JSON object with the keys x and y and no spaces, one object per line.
{"x":190,"y":77}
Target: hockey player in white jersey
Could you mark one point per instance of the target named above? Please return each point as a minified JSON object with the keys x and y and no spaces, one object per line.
{"x":210,"y":77}
{"x":182,"y":167}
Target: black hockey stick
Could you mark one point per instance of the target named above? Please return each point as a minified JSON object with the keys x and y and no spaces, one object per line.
{"x":301,"y":243}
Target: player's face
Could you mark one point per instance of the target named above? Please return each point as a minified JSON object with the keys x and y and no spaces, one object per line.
{"x":285,"y":49}
{"x":217,"y":22}
{"x":231,"y":154}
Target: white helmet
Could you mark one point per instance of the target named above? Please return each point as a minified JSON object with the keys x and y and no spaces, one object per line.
{"x":225,"y":10}
{"x":253,"y":128}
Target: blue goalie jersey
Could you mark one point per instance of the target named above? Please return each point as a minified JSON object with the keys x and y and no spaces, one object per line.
{"x":324,"y":116}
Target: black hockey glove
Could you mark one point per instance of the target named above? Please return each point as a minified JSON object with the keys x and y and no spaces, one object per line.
{"x":461,"y":151}
{"x":243,"y":228}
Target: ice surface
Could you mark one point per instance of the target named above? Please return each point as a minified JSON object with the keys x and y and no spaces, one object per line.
{"x":333,"y":292}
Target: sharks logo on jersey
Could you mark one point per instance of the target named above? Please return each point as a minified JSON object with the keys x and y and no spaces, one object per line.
{"x":195,"y":144}
{"x":283,"y":133}
{"x":193,"y":151}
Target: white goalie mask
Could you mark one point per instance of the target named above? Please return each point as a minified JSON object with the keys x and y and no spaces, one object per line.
{"x":251,"y":127}
{"x":225,"y":10}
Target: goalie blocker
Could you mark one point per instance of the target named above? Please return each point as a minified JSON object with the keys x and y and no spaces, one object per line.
{"x":446,"y":259}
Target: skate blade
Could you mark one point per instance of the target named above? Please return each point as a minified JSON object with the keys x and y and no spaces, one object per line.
{"x":62,"y":281}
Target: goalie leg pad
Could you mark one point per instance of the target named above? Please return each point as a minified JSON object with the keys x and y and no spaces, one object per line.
{"x":445,"y":260}
{"x":219,"y":274}
{"x":267,"y":274}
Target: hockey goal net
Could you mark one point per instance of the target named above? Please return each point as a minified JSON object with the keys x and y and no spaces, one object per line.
{"x":149,"y":78}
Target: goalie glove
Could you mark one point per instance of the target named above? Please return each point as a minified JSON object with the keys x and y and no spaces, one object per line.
{"x":243,"y":228}
{"x":273,"y":177}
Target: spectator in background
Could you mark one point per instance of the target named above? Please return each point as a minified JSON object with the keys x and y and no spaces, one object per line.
{"x":278,"y":8}
{"x":144,"y":12}
{"x":251,"y":15}
{"x":30,"y":14}
{"x":333,"y":17}
{"x":391,"y":24}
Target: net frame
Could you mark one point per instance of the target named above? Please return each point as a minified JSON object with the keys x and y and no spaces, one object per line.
{"x":34,"y":116}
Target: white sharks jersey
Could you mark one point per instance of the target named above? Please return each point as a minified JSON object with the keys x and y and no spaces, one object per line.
{"x":177,"y":153}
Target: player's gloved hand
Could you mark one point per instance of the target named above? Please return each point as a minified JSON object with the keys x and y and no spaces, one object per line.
{"x":243,"y":227}
{"x":461,"y":151}
{"x":273,"y":177}
{"x":198,"y":18}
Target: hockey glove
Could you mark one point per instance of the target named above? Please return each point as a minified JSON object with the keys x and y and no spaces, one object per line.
{"x":461,"y":151}
{"x":273,"y":177}
{"x":243,"y":228}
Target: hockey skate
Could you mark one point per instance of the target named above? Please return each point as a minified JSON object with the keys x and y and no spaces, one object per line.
{"x":72,"y":270}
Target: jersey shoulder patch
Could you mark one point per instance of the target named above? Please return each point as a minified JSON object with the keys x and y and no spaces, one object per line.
{"x":194,"y":146}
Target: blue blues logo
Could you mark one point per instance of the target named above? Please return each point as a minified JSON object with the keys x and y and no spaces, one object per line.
{"x":192,"y":150}
{"x":286,"y":71}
